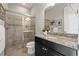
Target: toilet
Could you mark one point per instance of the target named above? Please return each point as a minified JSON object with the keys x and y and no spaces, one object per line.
{"x":31,"y":47}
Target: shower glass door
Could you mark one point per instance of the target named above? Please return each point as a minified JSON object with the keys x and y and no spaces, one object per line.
{"x":14,"y":30}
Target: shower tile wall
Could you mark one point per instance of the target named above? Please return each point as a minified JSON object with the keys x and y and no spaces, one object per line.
{"x":14,"y":31}
{"x":29,"y":30}
{"x":28,"y":36}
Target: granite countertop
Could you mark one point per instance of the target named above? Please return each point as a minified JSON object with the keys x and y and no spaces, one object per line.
{"x":66,"y":41}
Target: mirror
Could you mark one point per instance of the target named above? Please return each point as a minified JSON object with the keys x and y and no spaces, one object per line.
{"x":62,"y":18}
{"x":54,"y":17}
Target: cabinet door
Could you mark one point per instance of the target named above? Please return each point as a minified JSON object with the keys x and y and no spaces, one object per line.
{"x":51,"y":52}
{"x":40,"y":50}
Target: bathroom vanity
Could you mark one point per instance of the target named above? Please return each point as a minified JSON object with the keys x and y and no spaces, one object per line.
{"x":60,"y":21}
{"x":42,"y":48}
{"x":46,"y":45}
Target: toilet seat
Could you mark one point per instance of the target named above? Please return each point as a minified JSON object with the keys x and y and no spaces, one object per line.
{"x":31,"y":47}
{"x":30,"y":43}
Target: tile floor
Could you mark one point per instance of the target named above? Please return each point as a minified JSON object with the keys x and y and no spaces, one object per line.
{"x":20,"y":50}
{"x":16,"y":51}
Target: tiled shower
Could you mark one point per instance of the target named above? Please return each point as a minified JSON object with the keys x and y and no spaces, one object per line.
{"x":18,"y":33}
{"x":14,"y":31}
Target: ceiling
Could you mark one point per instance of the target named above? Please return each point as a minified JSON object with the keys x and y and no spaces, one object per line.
{"x":57,"y":5}
{"x":26,"y":5}
{"x":29,"y":5}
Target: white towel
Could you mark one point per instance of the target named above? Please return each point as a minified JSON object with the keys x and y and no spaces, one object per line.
{"x":2,"y":36}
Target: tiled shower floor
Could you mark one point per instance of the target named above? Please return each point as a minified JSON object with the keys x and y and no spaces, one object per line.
{"x":14,"y":51}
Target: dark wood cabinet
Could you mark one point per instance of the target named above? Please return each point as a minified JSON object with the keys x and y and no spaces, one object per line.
{"x":46,"y":48}
{"x":42,"y":48}
{"x":39,"y":47}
